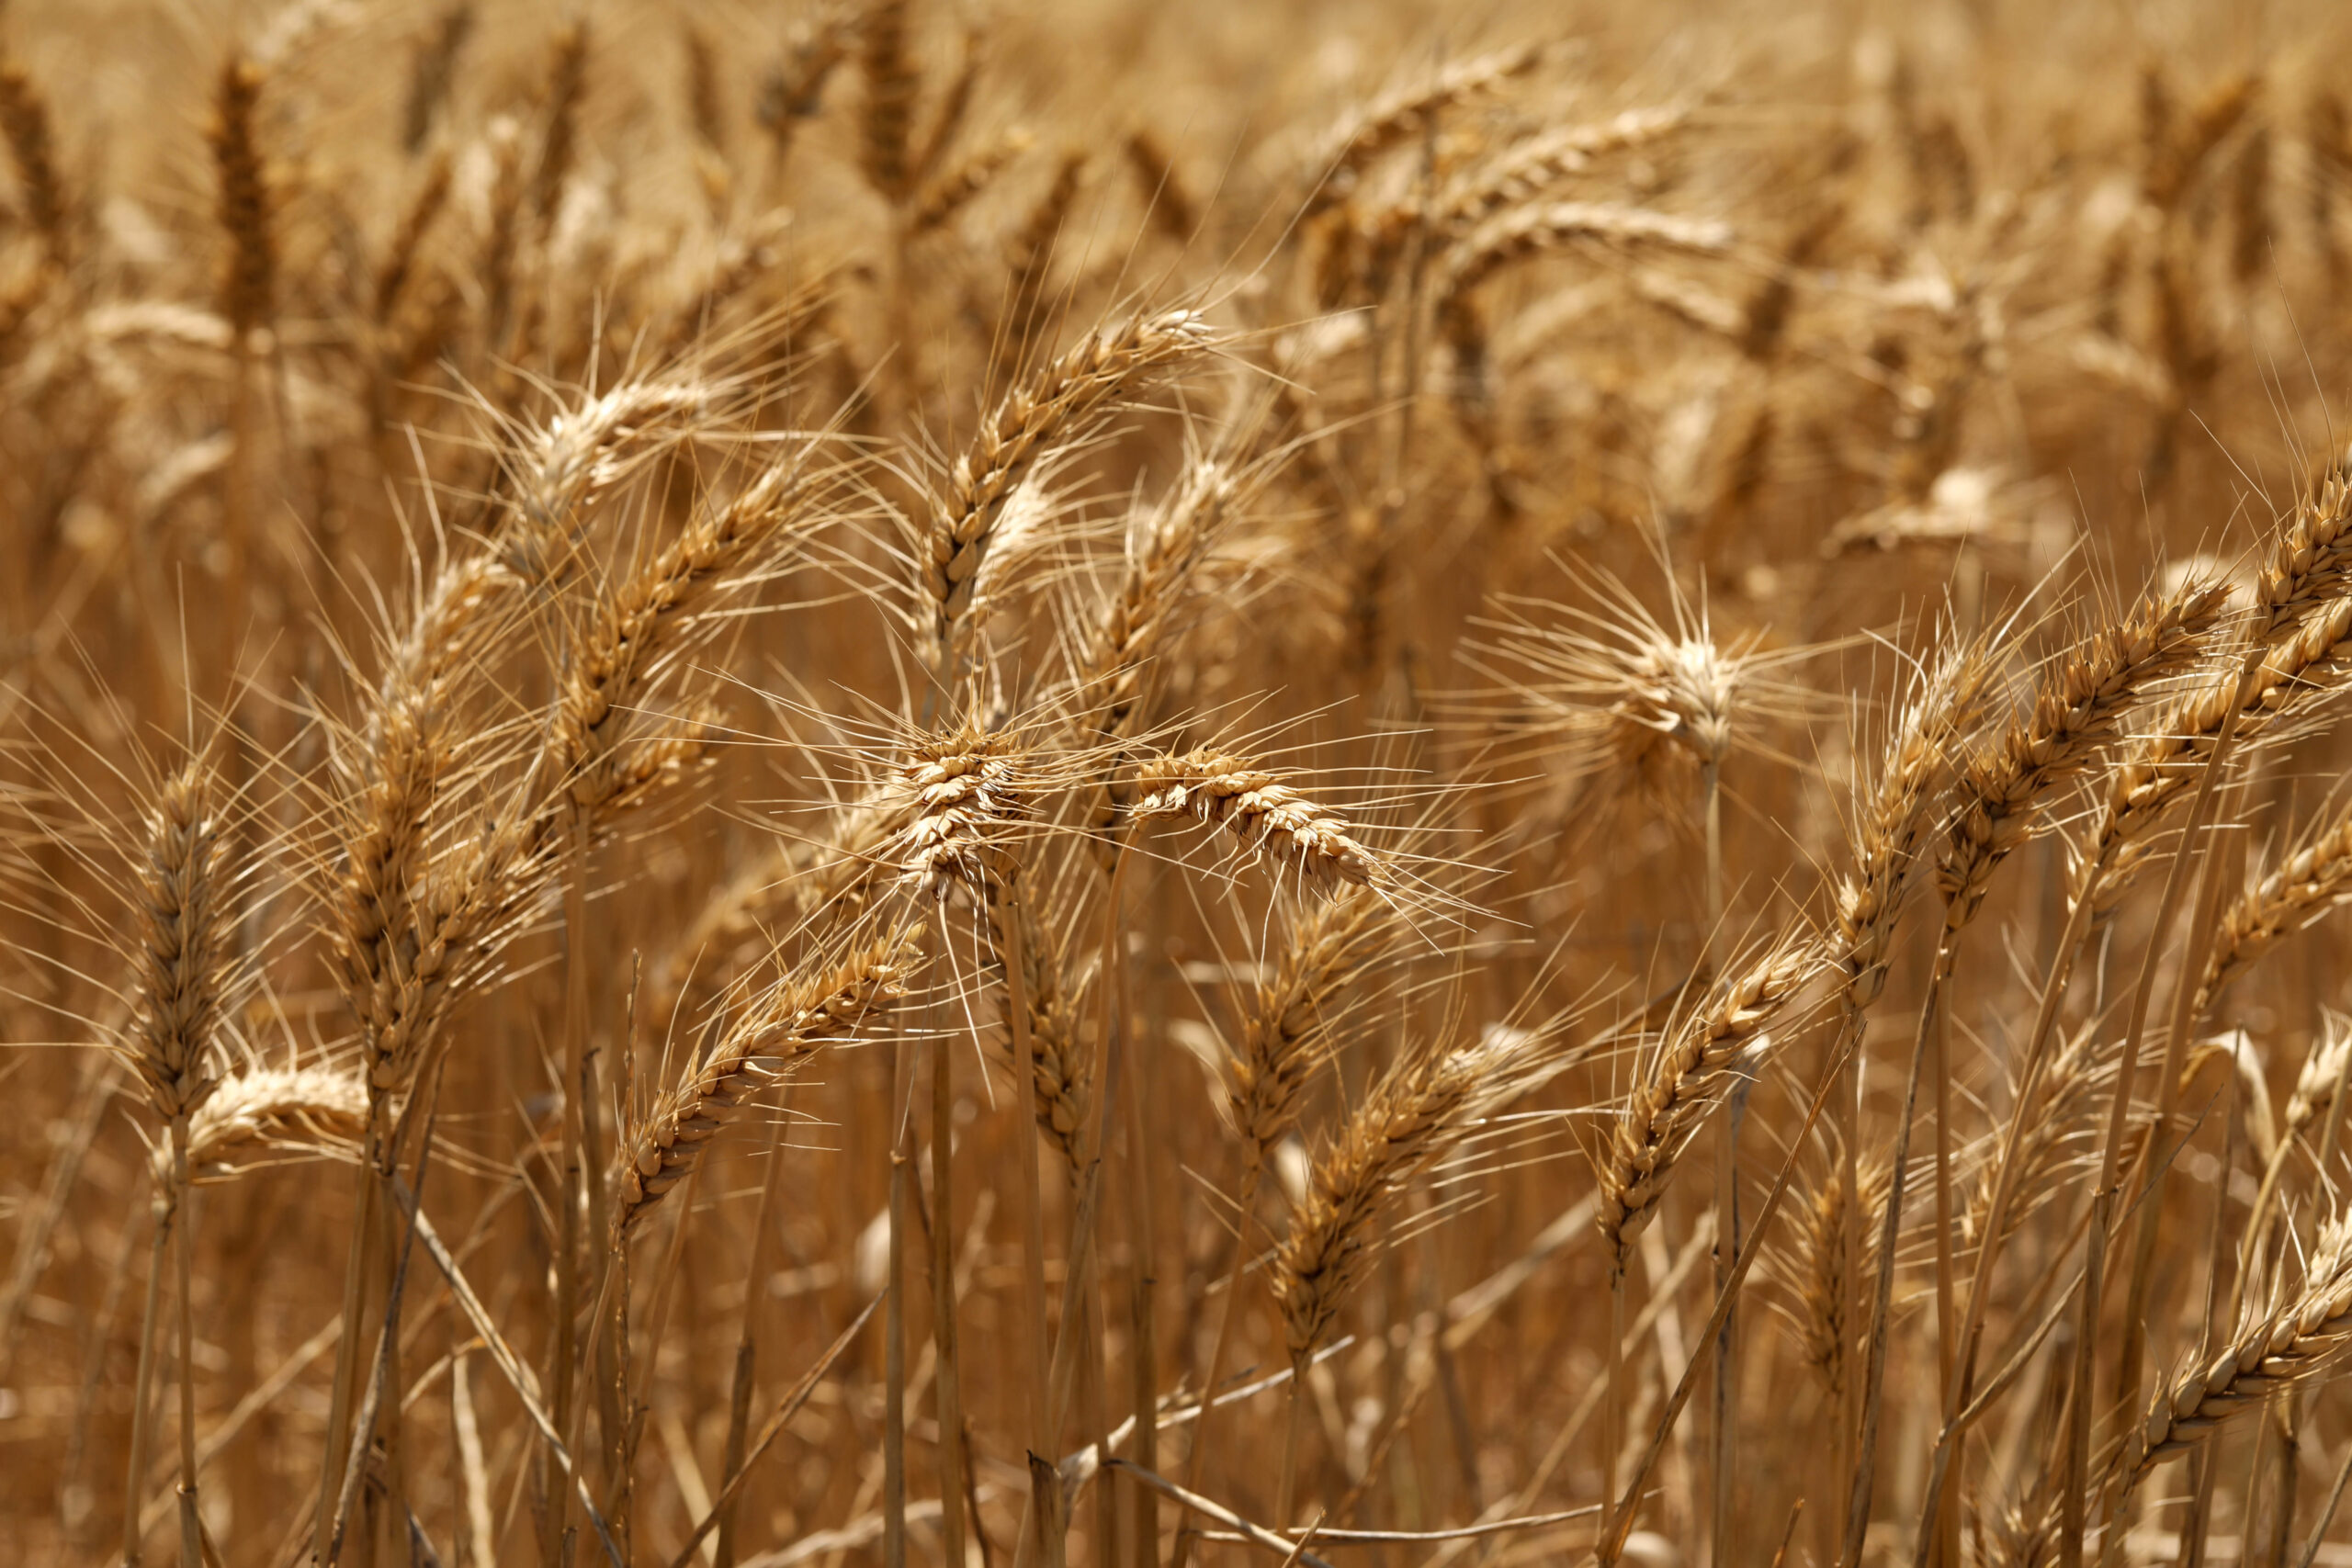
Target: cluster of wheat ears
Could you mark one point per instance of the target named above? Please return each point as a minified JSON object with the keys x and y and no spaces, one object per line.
{"x":976,"y":785}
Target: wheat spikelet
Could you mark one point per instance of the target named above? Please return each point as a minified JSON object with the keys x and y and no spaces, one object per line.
{"x":244,"y":208}
{"x":964,"y":794}
{"x":2078,"y":708}
{"x":24,"y":125}
{"x":1814,"y":1270}
{"x":1686,"y":1078}
{"x":1052,"y":407}
{"x":1416,"y":1115}
{"x":1280,"y":828}
{"x":829,"y":1001}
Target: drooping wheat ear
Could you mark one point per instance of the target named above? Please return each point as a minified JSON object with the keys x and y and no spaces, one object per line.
{"x":1525,"y":171}
{"x":559,"y":100}
{"x":955,"y":107}
{"x":628,"y":648}
{"x":1288,"y":1032}
{"x":249,"y":279}
{"x":24,"y":124}
{"x":954,"y":190}
{"x":2283,"y":1350}
{"x":273,"y":1112}
{"x":964,"y":794}
{"x":2078,"y":708}
{"x":1531,"y":231}
{"x":796,"y":1017}
{"x":1064,"y":1075}
{"x":560,"y":465}
{"x":1692,"y":1072}
{"x":2301,"y":889}
{"x":1898,"y":813}
{"x":1175,"y":538}
{"x":182,"y":957}
{"x":1280,"y":828}
{"x":2059,"y":1133}
{"x":1398,"y":116}
{"x":1417,"y":1114}
{"x":1816,"y":1270}
{"x":433,"y":70}
{"x":891,"y":84}
{"x":1053,"y":407}
{"x":1171,"y":206}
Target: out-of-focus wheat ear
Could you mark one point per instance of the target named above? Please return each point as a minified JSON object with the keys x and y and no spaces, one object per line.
{"x":1280,"y":828}
{"x":886,"y":128}
{"x":24,"y":124}
{"x":706,"y":111}
{"x":955,"y":107}
{"x":432,"y":72}
{"x":1053,"y":407}
{"x":2250,"y":231}
{"x":1167,"y":202}
{"x":244,"y":206}
{"x":394,"y":273}
{"x":1029,"y":263}
{"x":558,"y":113}
{"x":1522,"y":174}
{"x":1131,"y":627}
{"x":793,"y":90}
{"x":1533,"y":230}
{"x":2327,"y":132}
{"x":950,"y":192}
{"x":1395,"y":117}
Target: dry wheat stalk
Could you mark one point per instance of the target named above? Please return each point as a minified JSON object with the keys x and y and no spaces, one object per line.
{"x":826,"y":1003}
{"x":1276,"y":825}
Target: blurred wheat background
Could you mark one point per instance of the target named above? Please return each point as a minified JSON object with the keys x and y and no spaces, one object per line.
{"x":1000,"y":785}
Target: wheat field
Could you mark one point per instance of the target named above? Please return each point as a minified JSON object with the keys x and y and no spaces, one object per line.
{"x":994,"y":784}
